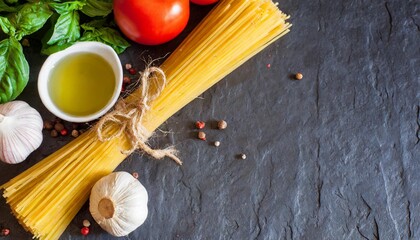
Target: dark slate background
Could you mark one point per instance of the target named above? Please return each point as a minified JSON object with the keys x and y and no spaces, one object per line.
{"x":333,"y":156}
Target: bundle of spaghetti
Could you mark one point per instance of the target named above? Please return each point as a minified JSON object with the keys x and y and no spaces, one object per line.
{"x":46,"y":197}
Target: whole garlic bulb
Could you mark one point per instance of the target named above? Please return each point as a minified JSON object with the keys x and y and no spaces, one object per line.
{"x":118,"y":203}
{"x":20,"y":131}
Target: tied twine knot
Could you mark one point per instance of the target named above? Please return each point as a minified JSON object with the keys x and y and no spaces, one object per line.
{"x":129,"y":116}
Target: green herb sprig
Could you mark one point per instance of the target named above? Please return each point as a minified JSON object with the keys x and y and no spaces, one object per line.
{"x":21,"y":19}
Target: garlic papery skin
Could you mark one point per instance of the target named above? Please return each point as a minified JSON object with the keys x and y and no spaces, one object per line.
{"x":20,"y":131}
{"x":118,"y":203}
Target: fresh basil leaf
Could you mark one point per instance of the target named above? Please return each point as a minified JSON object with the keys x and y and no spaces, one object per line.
{"x":6,"y":8}
{"x":30,"y":18}
{"x":11,"y":1}
{"x":66,"y":29}
{"x":92,"y":25}
{"x":108,"y":36}
{"x":7,"y":27}
{"x":97,"y":8}
{"x":65,"y":7}
{"x":14,"y":69}
{"x":50,"y":49}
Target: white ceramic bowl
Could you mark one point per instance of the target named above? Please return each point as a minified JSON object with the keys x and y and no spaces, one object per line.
{"x":104,"y":51}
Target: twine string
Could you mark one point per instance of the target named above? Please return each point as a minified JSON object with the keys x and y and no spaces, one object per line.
{"x":129,"y":116}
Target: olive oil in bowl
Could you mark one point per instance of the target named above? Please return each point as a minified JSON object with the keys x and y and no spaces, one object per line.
{"x":81,"y":83}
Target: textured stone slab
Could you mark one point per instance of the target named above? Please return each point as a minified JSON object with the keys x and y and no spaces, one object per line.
{"x":333,"y":156}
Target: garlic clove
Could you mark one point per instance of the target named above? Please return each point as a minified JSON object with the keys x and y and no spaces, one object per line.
{"x":118,"y":203}
{"x":20,"y":131}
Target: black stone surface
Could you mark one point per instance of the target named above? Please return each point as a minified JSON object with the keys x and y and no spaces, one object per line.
{"x":333,"y":156}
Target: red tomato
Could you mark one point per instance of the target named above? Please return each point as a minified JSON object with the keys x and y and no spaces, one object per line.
{"x":204,"y":2}
{"x":151,"y":22}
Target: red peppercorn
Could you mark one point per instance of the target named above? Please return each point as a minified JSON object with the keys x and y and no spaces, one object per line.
{"x":268,"y":65}
{"x":64,"y":132}
{"x":5,"y":232}
{"x":132,"y":71}
{"x":84,"y":231}
{"x":126,"y":80}
{"x":135,"y":175}
{"x":200,"y":124}
{"x":123,"y":88}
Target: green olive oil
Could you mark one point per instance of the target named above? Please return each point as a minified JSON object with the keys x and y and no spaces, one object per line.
{"x":81,"y":84}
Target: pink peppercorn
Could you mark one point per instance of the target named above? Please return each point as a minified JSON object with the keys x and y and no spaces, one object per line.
{"x":84,"y":231}
{"x":200,"y":124}
{"x":126,"y":80}
{"x":132,"y":71}
{"x":64,"y":132}
{"x":5,"y":232}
